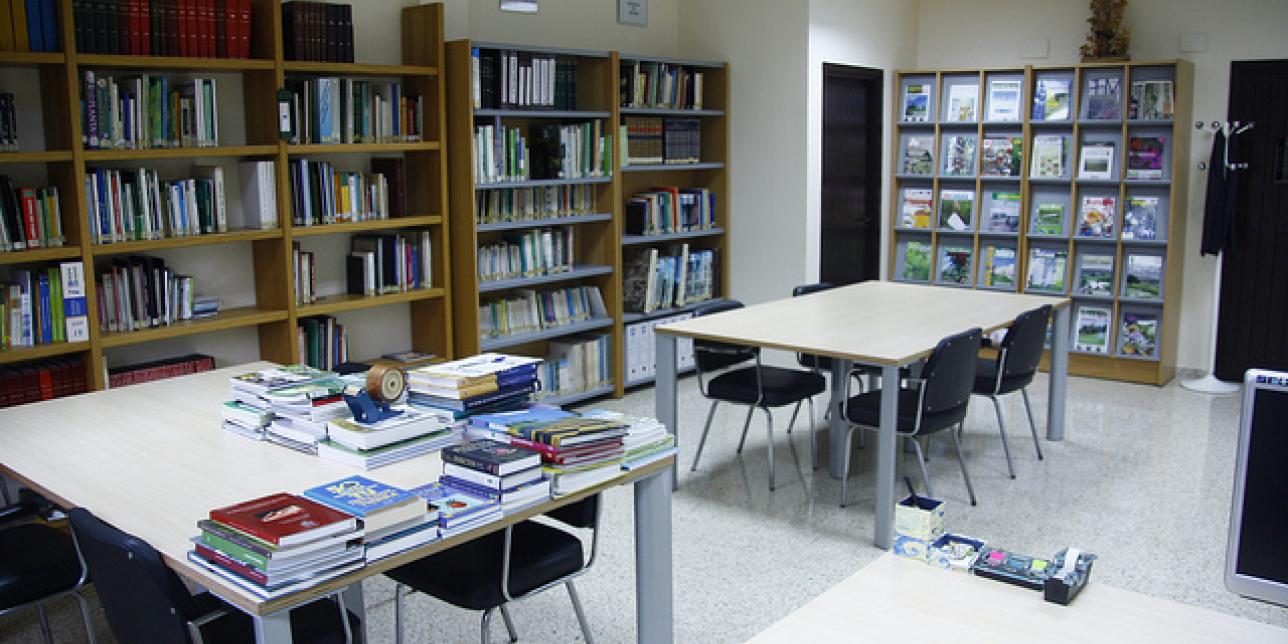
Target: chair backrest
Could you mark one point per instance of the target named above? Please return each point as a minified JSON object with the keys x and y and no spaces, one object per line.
{"x":582,"y":514}
{"x":950,"y":372}
{"x":143,"y":599}
{"x":809,"y":360}
{"x":709,"y":355}
{"x":1023,"y":343}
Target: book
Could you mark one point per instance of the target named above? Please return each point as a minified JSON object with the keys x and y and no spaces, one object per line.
{"x":1138,"y":334}
{"x":1096,"y":275}
{"x":918,"y":155}
{"x":503,"y":420}
{"x":490,"y":484}
{"x":391,"y":453}
{"x":569,"y":431}
{"x":492,"y":457}
{"x":1151,"y":100}
{"x":1004,"y":100}
{"x":266,"y":593}
{"x":1047,"y":267}
{"x":410,"y":423}
{"x":1143,"y":276}
{"x":1092,"y":330}
{"x":262,"y":554}
{"x":1004,"y":212}
{"x":1104,"y":99}
{"x":1048,"y":219}
{"x":1140,"y":218}
{"x":916,"y":207}
{"x":956,"y":209}
{"x":999,"y":156}
{"x":1048,"y":156}
{"x":955,"y":264}
{"x":456,"y":506}
{"x":376,"y":504}
{"x":1096,"y":217}
{"x":916,"y":102}
{"x":959,"y":155}
{"x":471,"y":370}
{"x":997,"y":266}
{"x":1145,"y":157}
{"x":285,"y":519}
{"x":962,"y":100}
{"x":1051,"y":99}
{"x":1096,"y":161}
{"x":916,"y":261}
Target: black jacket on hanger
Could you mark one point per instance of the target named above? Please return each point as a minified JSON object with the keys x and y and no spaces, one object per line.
{"x":1222,"y":197}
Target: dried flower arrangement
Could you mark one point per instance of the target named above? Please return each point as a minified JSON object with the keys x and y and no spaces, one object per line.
{"x":1108,"y":39}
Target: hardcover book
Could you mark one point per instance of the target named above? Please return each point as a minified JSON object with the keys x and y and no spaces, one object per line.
{"x":1051,"y":99}
{"x":1096,"y":275}
{"x":1104,"y":99}
{"x":1145,"y":157}
{"x":491,"y":457}
{"x":962,"y":100}
{"x":918,"y":156}
{"x":1144,"y":276}
{"x":472,"y":370}
{"x":1004,"y":212}
{"x":1140,"y":220}
{"x":378,"y":505}
{"x":1004,"y":100}
{"x":1047,"y":269}
{"x":956,"y":209}
{"x":915,"y":211}
{"x":1048,"y":156}
{"x":285,"y":519}
{"x":502,"y":420}
{"x":456,"y":506}
{"x":916,"y":261}
{"x":1096,"y":217}
{"x":1048,"y":219}
{"x":955,"y":264}
{"x":1097,"y":161}
{"x":1092,"y":328}
{"x":570,"y":431}
{"x":1000,"y":156}
{"x":959,"y":156}
{"x":1138,"y":335}
{"x":916,"y":102}
{"x":997,"y":266}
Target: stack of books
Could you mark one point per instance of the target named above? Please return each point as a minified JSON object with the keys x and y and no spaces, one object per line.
{"x":484,"y":383}
{"x":576,"y":452}
{"x":458,"y":510}
{"x":247,"y":411}
{"x":370,"y":445}
{"x":646,"y":439}
{"x":277,"y":544}
{"x":508,"y":474}
{"x":301,"y":412}
{"x":392,"y":519}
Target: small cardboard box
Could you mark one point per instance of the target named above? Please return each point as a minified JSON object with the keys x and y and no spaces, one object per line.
{"x":918,"y":521}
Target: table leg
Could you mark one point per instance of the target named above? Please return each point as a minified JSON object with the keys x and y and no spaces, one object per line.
{"x":836,"y":431}
{"x":886,"y":456}
{"x":654,"y":589}
{"x":274,"y":628}
{"x":665,"y":400}
{"x":356,"y":604}
{"x":1059,"y":381}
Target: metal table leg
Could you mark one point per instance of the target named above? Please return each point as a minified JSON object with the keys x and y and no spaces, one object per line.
{"x":665,"y":402}
{"x":1059,"y":374}
{"x":886,"y":440}
{"x":654,"y":588}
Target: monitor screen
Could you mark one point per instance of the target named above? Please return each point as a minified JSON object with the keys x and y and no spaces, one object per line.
{"x":1257,"y":565}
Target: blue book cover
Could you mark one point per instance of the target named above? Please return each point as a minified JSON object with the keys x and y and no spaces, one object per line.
{"x":46,"y":317}
{"x":49,"y":21}
{"x":324,"y":110}
{"x":504,"y":419}
{"x":454,"y":504}
{"x":358,"y":495}
{"x":35,"y":33}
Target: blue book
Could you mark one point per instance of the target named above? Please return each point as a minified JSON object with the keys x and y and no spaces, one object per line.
{"x":358,"y":495}
{"x":35,"y":33}
{"x":505,"y":419}
{"x":46,"y":314}
{"x":456,"y":506}
{"x":323,"y":99}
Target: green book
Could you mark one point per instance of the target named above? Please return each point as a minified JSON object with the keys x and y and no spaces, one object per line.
{"x":245,"y":555}
{"x":1049,"y":220}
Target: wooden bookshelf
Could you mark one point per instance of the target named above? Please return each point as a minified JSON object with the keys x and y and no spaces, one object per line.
{"x":1077,"y":131}
{"x":595,"y":230}
{"x":274,"y":315}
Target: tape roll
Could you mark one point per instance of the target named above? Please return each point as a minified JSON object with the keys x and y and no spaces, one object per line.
{"x":385,"y":382}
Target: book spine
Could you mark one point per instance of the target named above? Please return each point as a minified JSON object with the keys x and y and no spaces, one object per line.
{"x":243,"y":555}
{"x":232,"y":565}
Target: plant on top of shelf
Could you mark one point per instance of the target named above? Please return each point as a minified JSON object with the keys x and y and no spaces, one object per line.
{"x":1108,"y":38}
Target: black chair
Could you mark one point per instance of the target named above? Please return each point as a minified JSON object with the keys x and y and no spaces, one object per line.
{"x":1017,"y":361}
{"x":146,"y":602}
{"x":758,"y":386}
{"x":38,"y":563}
{"x":491,"y":571}
{"x":938,"y":400}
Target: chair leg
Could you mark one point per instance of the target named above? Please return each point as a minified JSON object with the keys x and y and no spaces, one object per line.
{"x":962,"y":461}
{"x":84,"y":610}
{"x":769,"y":435}
{"x":925,"y":477}
{"x":1033,"y":427}
{"x":792,"y":423}
{"x":44,"y":625}
{"x":581,"y":614}
{"x":925,"y":448}
{"x":509,"y":623}
{"x":1001,"y":427}
{"x":399,"y":591}
{"x":813,"y":436}
{"x":845,"y":469}
{"x":484,"y":627}
{"x":745,"y":424}
{"x":706,"y":428}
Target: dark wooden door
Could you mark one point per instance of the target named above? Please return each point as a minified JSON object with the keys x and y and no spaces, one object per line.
{"x":1253,"y":327}
{"x":850,"y":247}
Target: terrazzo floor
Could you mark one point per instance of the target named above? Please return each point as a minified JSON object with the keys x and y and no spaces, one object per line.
{"x":1143,"y":480}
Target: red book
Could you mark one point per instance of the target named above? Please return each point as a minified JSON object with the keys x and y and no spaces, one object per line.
{"x":172,"y":27}
{"x":145,"y":27}
{"x":285,"y":519}
{"x":138,"y":33}
{"x":186,"y":36}
{"x":245,"y":27}
{"x":208,"y":27}
{"x":46,"y":381}
{"x":31,"y":217}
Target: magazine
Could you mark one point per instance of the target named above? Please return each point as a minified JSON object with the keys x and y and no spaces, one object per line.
{"x":1138,"y":335}
{"x":997,"y":268}
{"x":1048,"y":156}
{"x":956,"y":208}
{"x":1092,"y":330}
{"x":1144,"y":277}
{"x":1097,"y":161}
{"x":915,"y":211}
{"x":1051,"y":100}
{"x":961,"y":102}
{"x":1151,"y":100}
{"x":1004,"y":100}
{"x":1047,"y":268}
{"x":918,"y":155}
{"x":1048,"y":219}
{"x":954,"y":264}
{"x":916,"y":261}
{"x":1104,"y":99}
{"x":959,"y":155}
{"x":1096,"y":275}
{"x":999,"y":156}
{"x":1004,"y":212}
{"x":1145,"y":157}
{"x":1140,"y":220}
{"x":1096,"y":217}
{"x":916,"y":102}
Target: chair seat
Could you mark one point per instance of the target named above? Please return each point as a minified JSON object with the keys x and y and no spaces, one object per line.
{"x":782,"y":386}
{"x":865,"y":409}
{"x":986,"y":379}
{"x":469,"y":575}
{"x":35,"y":561}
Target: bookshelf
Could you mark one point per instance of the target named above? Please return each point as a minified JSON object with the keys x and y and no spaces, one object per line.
{"x":490,"y":208}
{"x":273,"y":313}
{"x":1048,"y":216}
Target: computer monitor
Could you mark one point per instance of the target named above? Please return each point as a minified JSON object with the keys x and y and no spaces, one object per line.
{"x":1256,"y":561}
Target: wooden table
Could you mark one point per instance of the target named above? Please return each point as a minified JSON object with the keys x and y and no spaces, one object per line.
{"x":886,"y":324}
{"x":152,"y":460}
{"x":894,"y":599}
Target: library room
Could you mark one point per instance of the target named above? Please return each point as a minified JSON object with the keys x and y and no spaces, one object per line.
{"x":643,"y":321}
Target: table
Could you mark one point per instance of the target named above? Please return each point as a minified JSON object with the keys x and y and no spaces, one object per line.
{"x":894,"y":599}
{"x":886,"y":324}
{"x":152,"y":460}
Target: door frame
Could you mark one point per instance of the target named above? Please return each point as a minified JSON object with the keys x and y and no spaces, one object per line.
{"x":874,"y":78}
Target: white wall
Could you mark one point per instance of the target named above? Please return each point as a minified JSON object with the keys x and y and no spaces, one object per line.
{"x":880,"y":34}
{"x":952,"y":33}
